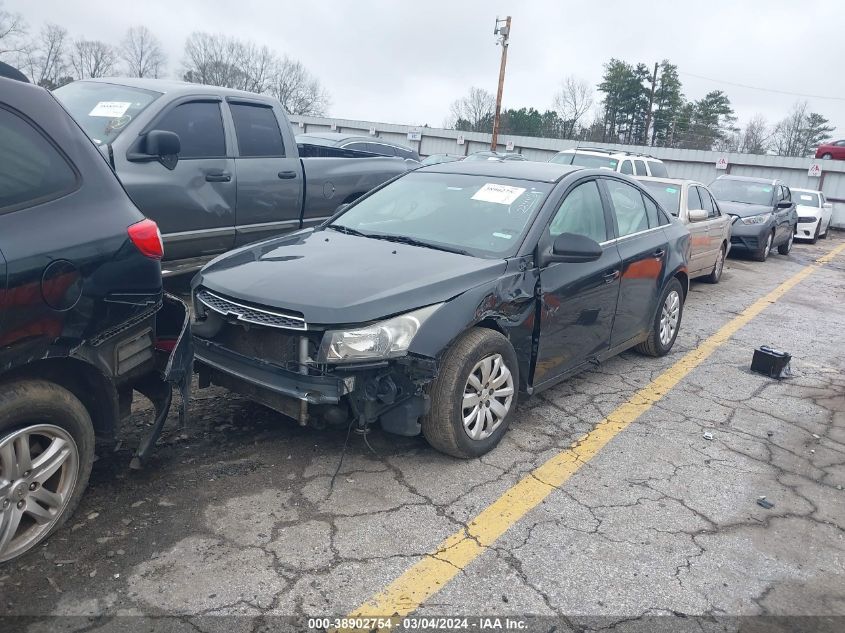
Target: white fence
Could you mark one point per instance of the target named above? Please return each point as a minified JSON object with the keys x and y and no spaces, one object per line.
{"x":681,"y":163}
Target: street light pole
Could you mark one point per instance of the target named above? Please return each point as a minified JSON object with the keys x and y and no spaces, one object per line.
{"x":503,"y":31}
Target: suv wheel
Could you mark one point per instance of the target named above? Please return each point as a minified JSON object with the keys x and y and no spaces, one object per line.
{"x":667,"y":321}
{"x":46,"y":454}
{"x":784,"y":248}
{"x":763,"y":252}
{"x":473,"y":396}
{"x":716,"y":274}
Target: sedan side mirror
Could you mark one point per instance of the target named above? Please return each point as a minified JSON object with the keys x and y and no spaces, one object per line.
{"x":697,"y":215}
{"x":827,"y":205}
{"x":162,"y":143}
{"x":784,"y":204}
{"x":575,"y":249}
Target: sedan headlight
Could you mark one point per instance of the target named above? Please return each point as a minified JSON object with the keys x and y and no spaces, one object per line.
{"x":385,"y":339}
{"x":756,"y":219}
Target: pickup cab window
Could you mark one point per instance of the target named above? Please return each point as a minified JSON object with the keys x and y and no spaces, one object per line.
{"x":200,"y":129}
{"x":257,"y":130}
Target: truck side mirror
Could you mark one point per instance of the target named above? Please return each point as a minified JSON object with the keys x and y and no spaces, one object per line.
{"x":163,"y":143}
{"x":697,"y":215}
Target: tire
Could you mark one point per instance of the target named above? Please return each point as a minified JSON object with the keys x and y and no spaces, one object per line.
{"x":36,"y":419}
{"x":827,"y":156}
{"x":716,"y":274}
{"x":784,"y":248}
{"x":444,"y":426}
{"x":762,"y":253}
{"x":815,"y":237}
{"x":656,"y":344}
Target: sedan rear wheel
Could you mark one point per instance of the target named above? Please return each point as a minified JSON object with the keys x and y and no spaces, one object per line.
{"x":474,"y":395}
{"x":716,"y":274}
{"x":667,"y":321}
{"x":46,"y":453}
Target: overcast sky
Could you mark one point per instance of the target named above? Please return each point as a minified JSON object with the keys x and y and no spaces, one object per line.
{"x":405,"y":62}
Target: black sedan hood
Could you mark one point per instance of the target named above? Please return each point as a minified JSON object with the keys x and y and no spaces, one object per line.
{"x":334,"y":278}
{"x":743,"y":209}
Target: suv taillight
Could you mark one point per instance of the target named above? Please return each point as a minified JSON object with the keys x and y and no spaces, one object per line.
{"x":146,"y":238}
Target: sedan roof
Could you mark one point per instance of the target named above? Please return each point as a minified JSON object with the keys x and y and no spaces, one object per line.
{"x":524,"y":170}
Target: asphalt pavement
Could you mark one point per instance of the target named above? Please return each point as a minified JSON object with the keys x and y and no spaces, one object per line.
{"x":652,"y":506}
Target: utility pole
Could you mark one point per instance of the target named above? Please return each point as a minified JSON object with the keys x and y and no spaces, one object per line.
{"x":503,"y":32}
{"x":650,"y":103}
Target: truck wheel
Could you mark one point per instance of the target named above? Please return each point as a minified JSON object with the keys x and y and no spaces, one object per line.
{"x":784,"y":248}
{"x":716,"y":274}
{"x":667,"y":321}
{"x":815,"y":237}
{"x":762,"y":253}
{"x":46,"y":454}
{"x":473,"y":396}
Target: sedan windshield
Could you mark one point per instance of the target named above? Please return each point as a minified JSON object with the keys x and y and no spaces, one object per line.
{"x":485,"y":216}
{"x":667,"y":194}
{"x":584,"y":160}
{"x":745,"y":191}
{"x":103,"y":110}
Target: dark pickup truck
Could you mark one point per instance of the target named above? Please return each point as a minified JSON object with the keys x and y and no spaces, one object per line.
{"x":215,"y":168}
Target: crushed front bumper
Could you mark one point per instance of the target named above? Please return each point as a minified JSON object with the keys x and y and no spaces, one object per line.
{"x":390,"y":392}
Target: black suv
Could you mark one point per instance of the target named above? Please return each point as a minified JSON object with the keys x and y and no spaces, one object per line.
{"x":83,"y":319}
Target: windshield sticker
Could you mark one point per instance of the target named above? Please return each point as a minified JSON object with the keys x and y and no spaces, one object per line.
{"x":110,"y":109}
{"x":806,"y":197}
{"x":455,"y":188}
{"x":671,"y":190}
{"x":500,"y":194}
{"x":504,"y":236}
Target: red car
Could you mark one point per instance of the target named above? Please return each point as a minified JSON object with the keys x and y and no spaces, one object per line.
{"x":835,"y":149}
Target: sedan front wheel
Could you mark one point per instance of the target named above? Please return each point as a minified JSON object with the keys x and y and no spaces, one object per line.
{"x":474,"y":395}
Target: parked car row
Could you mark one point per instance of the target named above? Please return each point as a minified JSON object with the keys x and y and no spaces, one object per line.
{"x":425,"y":301}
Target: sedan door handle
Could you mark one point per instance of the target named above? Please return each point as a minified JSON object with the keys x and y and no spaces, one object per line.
{"x":287,"y":175}
{"x":659,"y":253}
{"x":218,"y":176}
{"x":610,"y":277}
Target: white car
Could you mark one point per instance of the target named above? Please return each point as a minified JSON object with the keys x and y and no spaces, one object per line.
{"x":615,"y":160}
{"x":814,"y":213}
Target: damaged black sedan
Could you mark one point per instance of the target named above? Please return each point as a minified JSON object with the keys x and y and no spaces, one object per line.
{"x":430,"y":304}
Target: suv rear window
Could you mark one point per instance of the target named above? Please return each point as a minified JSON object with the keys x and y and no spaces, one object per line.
{"x":658,"y":170}
{"x":584,"y":160}
{"x":33,"y":171}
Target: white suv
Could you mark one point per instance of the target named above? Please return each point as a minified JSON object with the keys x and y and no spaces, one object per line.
{"x":623,"y":162}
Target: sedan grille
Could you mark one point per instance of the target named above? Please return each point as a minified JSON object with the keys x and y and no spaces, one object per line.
{"x":250,"y":314}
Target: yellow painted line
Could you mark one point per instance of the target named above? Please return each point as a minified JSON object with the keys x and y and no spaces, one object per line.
{"x":436,"y":569}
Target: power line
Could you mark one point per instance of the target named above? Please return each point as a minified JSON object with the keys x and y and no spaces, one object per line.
{"x":783,"y":92}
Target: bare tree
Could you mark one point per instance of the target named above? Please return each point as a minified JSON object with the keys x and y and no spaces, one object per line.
{"x":756,"y":137}
{"x":786,"y":138}
{"x":572,"y":101}
{"x":46,"y":58}
{"x":142,"y":54}
{"x":12,"y":32}
{"x":473,"y":113}
{"x":223,"y":61}
{"x":92,"y":58}
{"x":299,"y":92}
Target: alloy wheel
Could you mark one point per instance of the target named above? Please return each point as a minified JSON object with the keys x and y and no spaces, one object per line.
{"x":720,"y":263}
{"x":669,"y":317}
{"x":38,"y":471}
{"x":488,"y":395}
